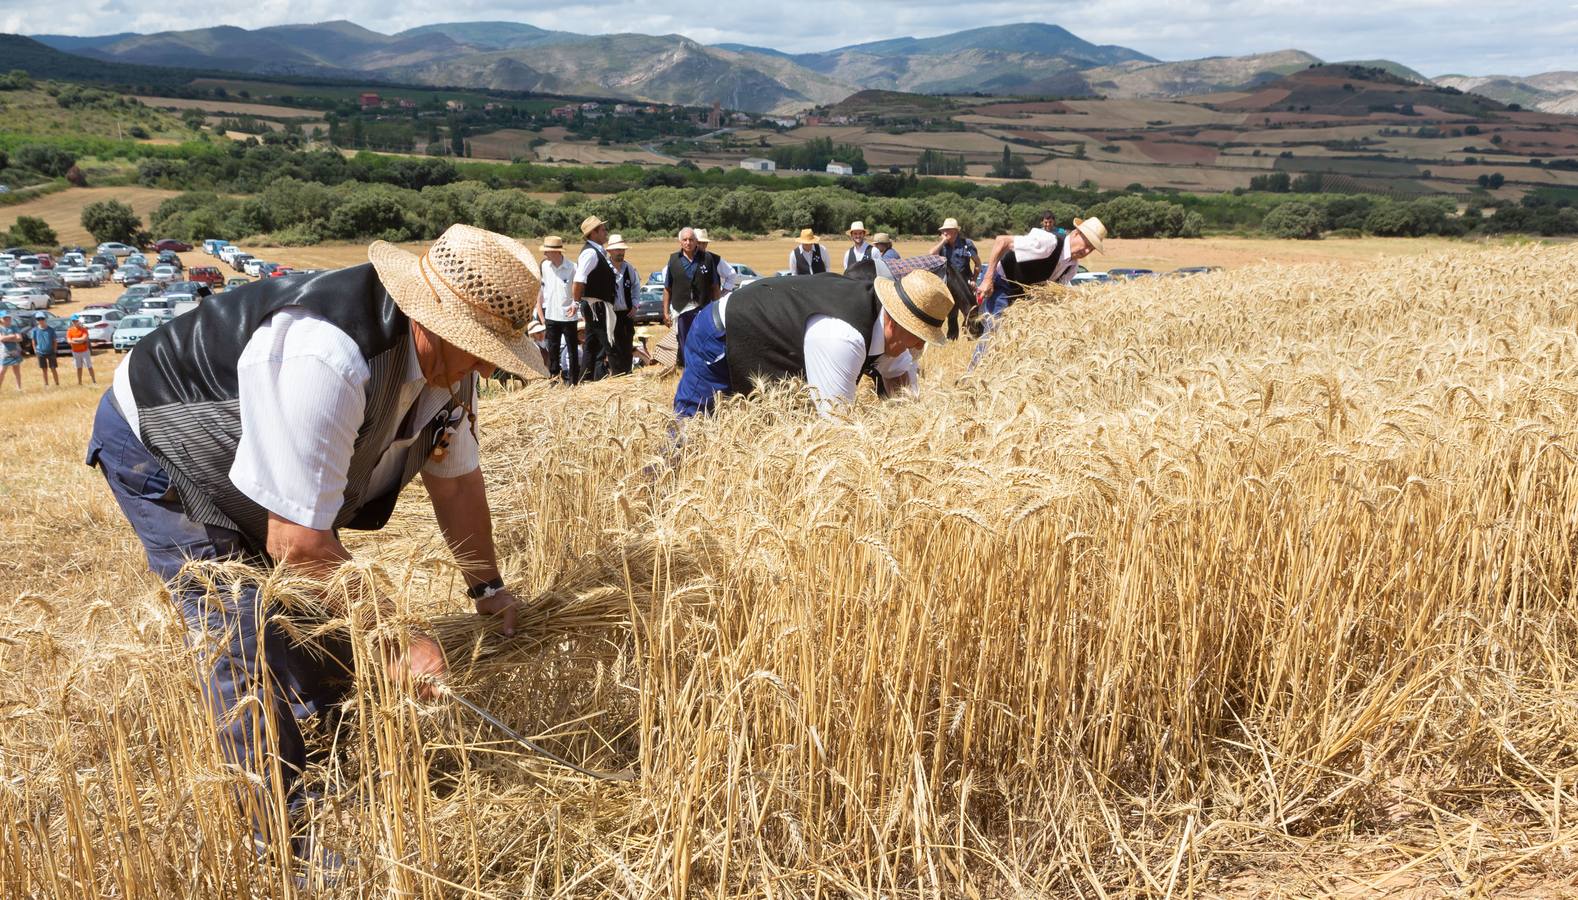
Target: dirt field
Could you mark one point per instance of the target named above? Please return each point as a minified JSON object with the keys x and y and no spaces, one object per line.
{"x":232,"y":108}
{"x":63,"y":210}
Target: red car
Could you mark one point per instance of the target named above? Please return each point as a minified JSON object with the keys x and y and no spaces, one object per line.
{"x":173,"y":244}
{"x":207,"y":275}
{"x":280,"y":271}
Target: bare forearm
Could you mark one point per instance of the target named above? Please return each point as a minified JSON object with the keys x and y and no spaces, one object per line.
{"x":461,"y":507}
{"x":1002,"y":245}
{"x":577,"y":289}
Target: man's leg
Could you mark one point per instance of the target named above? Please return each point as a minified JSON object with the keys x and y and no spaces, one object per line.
{"x":621,"y":357}
{"x":54,"y":368}
{"x":555,"y":340}
{"x":16,"y":370}
{"x":683,"y":324}
{"x":707,"y":376}
{"x":597,"y":345}
{"x":43,"y":367}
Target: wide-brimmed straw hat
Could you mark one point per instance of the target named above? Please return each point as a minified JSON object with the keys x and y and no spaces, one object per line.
{"x":473,"y":288}
{"x":701,"y":236}
{"x":949,"y":224}
{"x":617,"y":242}
{"x":855,"y":226}
{"x":807,"y":236}
{"x":1093,"y":230}
{"x":552,"y":242}
{"x":919,"y":302}
{"x":881,"y":237}
{"x":590,"y":224}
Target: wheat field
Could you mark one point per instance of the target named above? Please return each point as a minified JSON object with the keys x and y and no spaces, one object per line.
{"x":1256,"y":584}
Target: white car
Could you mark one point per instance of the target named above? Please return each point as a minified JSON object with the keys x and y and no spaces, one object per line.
{"x":157,"y":306}
{"x":26,"y":298}
{"x":166,"y":274}
{"x":228,"y":252}
{"x":100,"y":271}
{"x":80,"y":276}
{"x":1091,"y":278}
{"x":116,"y":249}
{"x":744,"y":275}
{"x":100,"y":324}
{"x":254,"y":266}
{"x":180,"y":302}
{"x":132,"y":329}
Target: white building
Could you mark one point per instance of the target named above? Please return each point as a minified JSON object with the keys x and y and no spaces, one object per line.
{"x":838,"y":168}
{"x":759,"y":165}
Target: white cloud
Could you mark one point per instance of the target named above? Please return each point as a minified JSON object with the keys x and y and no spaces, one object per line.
{"x":1516,"y":37}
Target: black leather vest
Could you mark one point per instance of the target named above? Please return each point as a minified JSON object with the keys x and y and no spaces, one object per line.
{"x":600,"y":283}
{"x":695,"y":290}
{"x":765,"y":322}
{"x":815,"y":266}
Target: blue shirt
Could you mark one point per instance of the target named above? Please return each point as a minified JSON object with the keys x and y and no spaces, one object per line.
{"x":960,"y":254}
{"x":44,"y":340}
{"x":690,"y":267}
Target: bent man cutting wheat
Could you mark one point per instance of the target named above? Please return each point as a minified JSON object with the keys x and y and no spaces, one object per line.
{"x":256,"y":428}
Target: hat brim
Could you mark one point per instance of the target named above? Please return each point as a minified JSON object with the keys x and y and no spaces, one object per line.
{"x":596,"y":224}
{"x":893,"y":304}
{"x":397,"y":270}
{"x":1094,"y":241}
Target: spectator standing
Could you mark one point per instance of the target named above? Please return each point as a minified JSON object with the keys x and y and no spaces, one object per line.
{"x":884,"y":245}
{"x":808,"y":257}
{"x":962,"y":256}
{"x":594,"y":290}
{"x":728,"y":279}
{"x":1048,"y":222}
{"x":860,"y":250}
{"x":690,"y":283}
{"x":10,"y":349}
{"x":44,"y":338}
{"x":622,"y":323}
{"x":81,"y":349}
{"x":557,"y":309}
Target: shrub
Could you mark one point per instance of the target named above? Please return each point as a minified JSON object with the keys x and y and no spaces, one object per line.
{"x":111,"y":220}
{"x":31,"y":231}
{"x":1299,"y":221}
{"x":44,"y":159}
{"x":365,"y":215}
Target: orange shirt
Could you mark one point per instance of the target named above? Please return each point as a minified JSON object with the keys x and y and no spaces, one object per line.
{"x":77,"y":337}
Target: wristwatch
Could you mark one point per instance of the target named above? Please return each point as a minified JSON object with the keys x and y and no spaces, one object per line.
{"x":486,"y":589}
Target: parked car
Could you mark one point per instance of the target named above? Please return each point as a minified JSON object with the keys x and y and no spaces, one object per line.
{"x":100,"y":324}
{"x":116,"y":249}
{"x":165,"y":274}
{"x":171,"y":258}
{"x":239,"y":261}
{"x":744,"y":275}
{"x":1187,"y":271}
{"x":130,"y":275}
{"x":72,"y":259}
{"x":172,"y":244}
{"x":132,"y":329}
{"x":44,"y":260}
{"x":1130,"y":274}
{"x":144,"y":290}
{"x":184,"y":304}
{"x":26,"y":297}
{"x":657,"y":276}
{"x":254,"y":266}
{"x":649,"y":306}
{"x":197,"y":289}
{"x":237,"y":282}
{"x":281,"y":271}
{"x":208,"y":275}
{"x":137,"y":259}
{"x":100,"y":272}
{"x":157,"y":306}
{"x":228,"y":252}
{"x":211,"y":246}
{"x":80,"y":276}
{"x":267,"y":270}
{"x":26,"y":272}
{"x":1091,"y":278}
{"x":107,"y":260}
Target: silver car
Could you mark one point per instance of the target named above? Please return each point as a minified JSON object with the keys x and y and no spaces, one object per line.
{"x":80,"y":276}
{"x":133,"y":329}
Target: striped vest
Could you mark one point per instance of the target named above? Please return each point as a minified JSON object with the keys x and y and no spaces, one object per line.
{"x":183,"y":377}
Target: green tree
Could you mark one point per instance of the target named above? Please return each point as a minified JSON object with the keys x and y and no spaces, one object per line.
{"x":111,"y":220}
{"x":31,"y":231}
{"x":1298,"y":221}
{"x":44,"y":159}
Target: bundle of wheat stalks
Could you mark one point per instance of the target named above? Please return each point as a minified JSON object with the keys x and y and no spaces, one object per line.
{"x":1256,"y":582}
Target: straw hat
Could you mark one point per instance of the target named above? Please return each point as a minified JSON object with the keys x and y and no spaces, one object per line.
{"x":473,"y":288}
{"x":617,"y":242}
{"x":1093,"y":230}
{"x":855,"y":226}
{"x":919,"y":302}
{"x":591,"y":224}
{"x":881,"y":237}
{"x":807,"y":236}
{"x":701,"y":236}
{"x":948,"y":223}
{"x":552,"y":242}
{"x":536,"y":329}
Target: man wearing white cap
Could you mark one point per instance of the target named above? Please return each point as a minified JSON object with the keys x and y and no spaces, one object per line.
{"x":622,"y":323}
{"x":557,"y":309}
{"x":1040,"y":257}
{"x":808,"y":257}
{"x":884,"y":245}
{"x":254,"y":430}
{"x":860,"y":250}
{"x":727,"y":278}
{"x":825,"y":329}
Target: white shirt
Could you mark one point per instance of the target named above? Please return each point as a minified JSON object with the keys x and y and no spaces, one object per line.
{"x":859,"y":252}
{"x":554,"y":293}
{"x":621,"y":302}
{"x":1039,"y":244}
{"x":800,"y":250}
{"x":726,"y":276}
{"x":302,"y":392}
{"x":835,"y":355}
{"x":587,"y":261}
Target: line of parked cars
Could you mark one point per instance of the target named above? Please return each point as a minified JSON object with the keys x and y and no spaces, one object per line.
{"x":244,"y":262}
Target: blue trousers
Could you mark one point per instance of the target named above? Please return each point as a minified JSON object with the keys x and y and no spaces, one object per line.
{"x":682,"y":325}
{"x":707,"y":367}
{"x":995,"y":304}
{"x":246,"y":656}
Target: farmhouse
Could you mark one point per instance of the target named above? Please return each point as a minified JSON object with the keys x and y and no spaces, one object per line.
{"x":756,"y":164}
{"x":838,"y":168}
{"x":454,"y":105}
{"x":370,"y":100}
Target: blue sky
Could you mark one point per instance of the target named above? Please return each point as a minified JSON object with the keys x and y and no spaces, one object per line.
{"x":1436,"y":37}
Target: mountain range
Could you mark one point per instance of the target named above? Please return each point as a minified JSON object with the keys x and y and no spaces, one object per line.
{"x":1019,"y":59}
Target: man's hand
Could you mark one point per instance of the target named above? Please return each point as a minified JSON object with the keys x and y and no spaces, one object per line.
{"x":505,"y":606}
{"x":420,"y":666}
{"x":985,"y":290}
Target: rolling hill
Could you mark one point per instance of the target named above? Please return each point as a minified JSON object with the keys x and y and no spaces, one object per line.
{"x":1555,"y":92}
{"x":1200,"y":76}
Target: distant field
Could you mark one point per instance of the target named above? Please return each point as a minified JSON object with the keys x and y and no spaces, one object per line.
{"x":63,"y":211}
{"x":506,"y":143}
{"x":274,"y":89}
{"x":234,"y":108}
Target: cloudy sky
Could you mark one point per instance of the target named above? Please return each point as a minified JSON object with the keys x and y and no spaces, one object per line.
{"x":1513,"y":37}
